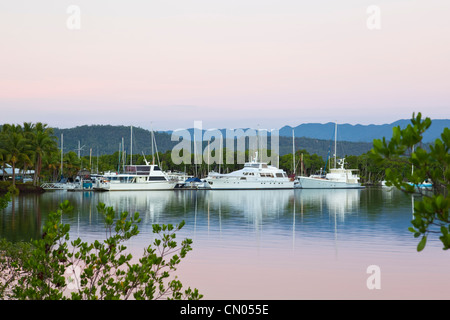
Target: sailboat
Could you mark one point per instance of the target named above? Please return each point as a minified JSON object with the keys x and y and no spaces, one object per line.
{"x":337,"y":178}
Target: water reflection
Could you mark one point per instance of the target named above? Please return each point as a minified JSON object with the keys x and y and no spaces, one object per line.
{"x":236,"y":209}
{"x":235,"y":215}
{"x":338,"y":202}
{"x":242,"y":236}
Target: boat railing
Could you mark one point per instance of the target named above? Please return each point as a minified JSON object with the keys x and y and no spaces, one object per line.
{"x":57,"y":186}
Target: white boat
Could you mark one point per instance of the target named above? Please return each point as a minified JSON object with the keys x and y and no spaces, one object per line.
{"x":135,"y":178}
{"x":254,"y":175}
{"x":337,"y":178}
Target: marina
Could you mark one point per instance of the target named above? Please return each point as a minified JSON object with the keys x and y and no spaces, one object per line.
{"x":302,"y":146}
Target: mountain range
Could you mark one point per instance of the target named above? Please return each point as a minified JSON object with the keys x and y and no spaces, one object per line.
{"x":360,"y":133}
{"x":313,"y":137}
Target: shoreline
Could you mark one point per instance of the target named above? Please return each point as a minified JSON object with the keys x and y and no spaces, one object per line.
{"x":22,"y":187}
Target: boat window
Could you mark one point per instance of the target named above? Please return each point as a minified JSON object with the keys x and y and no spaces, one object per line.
{"x":264,"y":165}
{"x":279,"y":175}
{"x":156,"y":178}
{"x":130,"y":169}
{"x":156,"y":168}
{"x":142,"y":170}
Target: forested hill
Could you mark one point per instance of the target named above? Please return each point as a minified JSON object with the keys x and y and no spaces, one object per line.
{"x":107,"y":139}
{"x":360,"y":133}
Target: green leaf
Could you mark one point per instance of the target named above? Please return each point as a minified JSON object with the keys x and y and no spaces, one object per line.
{"x":422,"y":243}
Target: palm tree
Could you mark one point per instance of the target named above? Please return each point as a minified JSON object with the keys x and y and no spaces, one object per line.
{"x":14,"y":147}
{"x":43,"y":144}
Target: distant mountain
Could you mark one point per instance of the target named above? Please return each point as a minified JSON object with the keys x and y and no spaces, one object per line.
{"x":107,"y":139}
{"x":313,"y":137}
{"x":360,"y":133}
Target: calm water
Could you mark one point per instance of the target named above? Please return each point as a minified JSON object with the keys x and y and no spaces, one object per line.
{"x":272,"y":244}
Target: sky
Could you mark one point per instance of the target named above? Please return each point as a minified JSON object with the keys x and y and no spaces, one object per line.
{"x":163,"y":64}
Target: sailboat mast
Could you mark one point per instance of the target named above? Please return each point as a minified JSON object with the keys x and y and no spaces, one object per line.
{"x":335,"y":139}
{"x":293,"y":151}
{"x":153,"y":153}
{"x":120,"y":154}
{"x":123,"y":156}
{"x":62,"y":152}
{"x":131,"y":146}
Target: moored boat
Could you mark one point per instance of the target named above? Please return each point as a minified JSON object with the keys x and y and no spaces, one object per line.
{"x":135,"y":178}
{"x":337,"y":178}
{"x":254,"y":175}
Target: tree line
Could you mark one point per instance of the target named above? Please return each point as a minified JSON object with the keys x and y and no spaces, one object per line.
{"x":27,"y":147}
{"x":34,"y":146}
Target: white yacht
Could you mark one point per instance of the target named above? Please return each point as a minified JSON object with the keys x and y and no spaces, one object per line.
{"x":254,"y":175}
{"x":337,"y":178}
{"x":135,"y":178}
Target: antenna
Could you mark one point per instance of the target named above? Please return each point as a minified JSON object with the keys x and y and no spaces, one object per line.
{"x":79,"y":149}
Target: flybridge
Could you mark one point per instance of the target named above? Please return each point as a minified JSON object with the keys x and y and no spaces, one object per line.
{"x":141,"y":169}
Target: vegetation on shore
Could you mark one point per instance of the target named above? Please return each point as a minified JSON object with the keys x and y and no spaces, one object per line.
{"x":27,"y":147}
{"x":54,"y":268}
{"x":432,"y":165}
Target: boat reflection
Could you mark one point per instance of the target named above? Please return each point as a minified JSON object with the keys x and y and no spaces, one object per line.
{"x":232,"y":209}
{"x":337,"y":202}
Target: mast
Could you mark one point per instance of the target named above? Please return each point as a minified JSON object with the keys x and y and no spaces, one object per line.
{"x":293,"y":151}
{"x":131,"y":146}
{"x":208,"y":154}
{"x":153,"y":153}
{"x":62,"y":152}
{"x":120,"y":157}
{"x":123,"y":156}
{"x":220,"y":151}
{"x":335,"y":139}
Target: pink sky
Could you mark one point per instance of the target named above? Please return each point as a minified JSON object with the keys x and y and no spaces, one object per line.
{"x":227,"y":63}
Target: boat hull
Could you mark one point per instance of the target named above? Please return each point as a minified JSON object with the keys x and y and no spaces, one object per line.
{"x":317,"y":183}
{"x":234,"y":184}
{"x":163,"y":185}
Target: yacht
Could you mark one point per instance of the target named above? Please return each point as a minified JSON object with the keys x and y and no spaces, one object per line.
{"x":254,"y":175}
{"x":337,"y":178}
{"x":136,"y":178}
